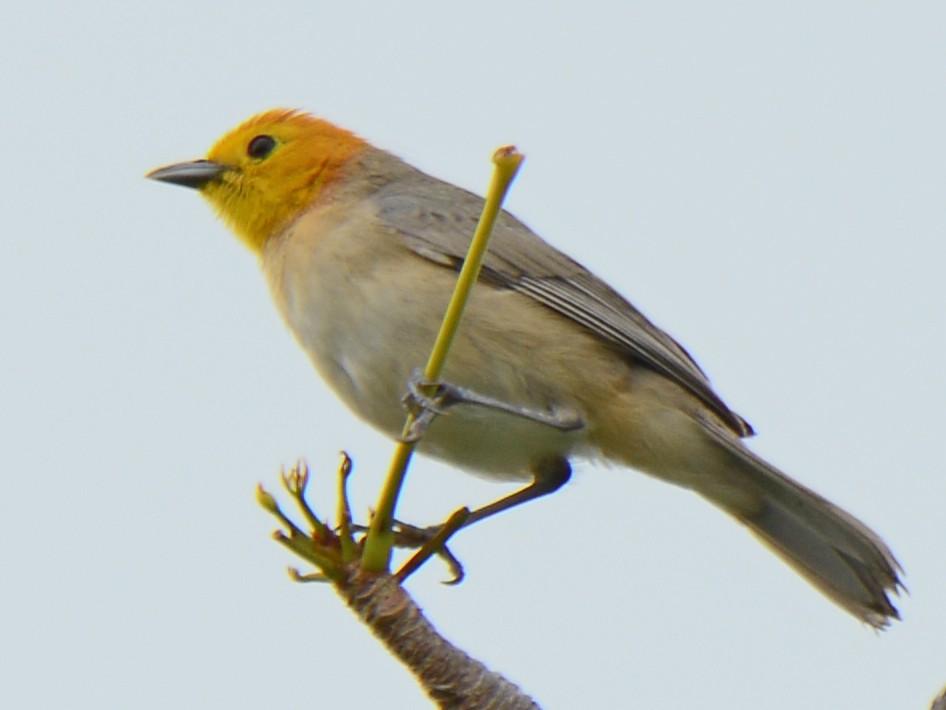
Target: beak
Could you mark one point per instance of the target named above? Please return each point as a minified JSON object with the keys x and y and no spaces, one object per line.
{"x":196,"y":173}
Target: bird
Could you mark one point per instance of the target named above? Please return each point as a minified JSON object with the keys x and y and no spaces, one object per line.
{"x":361,"y":252}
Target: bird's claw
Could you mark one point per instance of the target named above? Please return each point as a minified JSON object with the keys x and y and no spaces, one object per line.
{"x":411,"y":537}
{"x":425,"y":405}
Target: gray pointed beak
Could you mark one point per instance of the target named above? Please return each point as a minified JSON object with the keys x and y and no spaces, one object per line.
{"x":195,"y":173}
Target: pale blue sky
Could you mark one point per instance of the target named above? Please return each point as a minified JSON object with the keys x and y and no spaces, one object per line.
{"x":765,"y":180}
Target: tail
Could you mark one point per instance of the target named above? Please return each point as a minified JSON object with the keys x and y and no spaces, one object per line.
{"x":837,"y":553}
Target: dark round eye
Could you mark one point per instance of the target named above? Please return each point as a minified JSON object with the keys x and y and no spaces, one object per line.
{"x":261,"y":146}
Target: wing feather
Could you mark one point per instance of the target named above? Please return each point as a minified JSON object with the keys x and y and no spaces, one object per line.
{"x":439,"y":227}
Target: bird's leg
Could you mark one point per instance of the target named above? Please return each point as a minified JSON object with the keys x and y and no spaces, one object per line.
{"x":445,"y":394}
{"x":549,"y":475}
{"x":412,"y":537}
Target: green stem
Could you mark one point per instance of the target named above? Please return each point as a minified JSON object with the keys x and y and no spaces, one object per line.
{"x":380,"y":540}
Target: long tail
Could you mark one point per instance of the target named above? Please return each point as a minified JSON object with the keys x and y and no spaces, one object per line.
{"x":833,"y":550}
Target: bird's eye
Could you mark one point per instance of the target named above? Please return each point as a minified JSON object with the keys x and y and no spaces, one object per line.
{"x":261,"y":146}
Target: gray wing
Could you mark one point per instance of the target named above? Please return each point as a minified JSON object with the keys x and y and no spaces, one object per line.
{"x":439,"y":227}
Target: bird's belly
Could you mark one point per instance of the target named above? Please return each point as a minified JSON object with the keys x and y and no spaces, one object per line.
{"x":367,"y":329}
{"x":368,"y":366}
{"x":475,"y":437}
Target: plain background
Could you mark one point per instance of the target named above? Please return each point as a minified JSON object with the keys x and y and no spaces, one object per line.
{"x":765,"y":180}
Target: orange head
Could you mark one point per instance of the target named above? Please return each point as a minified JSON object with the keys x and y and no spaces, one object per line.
{"x":263,"y":174}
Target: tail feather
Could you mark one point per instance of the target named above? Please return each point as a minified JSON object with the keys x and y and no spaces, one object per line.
{"x":837,"y":553}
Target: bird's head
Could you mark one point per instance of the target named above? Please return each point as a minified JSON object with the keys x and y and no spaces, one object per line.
{"x":266,"y":172}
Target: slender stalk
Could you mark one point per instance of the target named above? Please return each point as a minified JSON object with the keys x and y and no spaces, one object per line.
{"x":380,"y":539}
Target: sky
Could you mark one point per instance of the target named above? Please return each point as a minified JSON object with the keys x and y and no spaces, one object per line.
{"x":764,"y":180}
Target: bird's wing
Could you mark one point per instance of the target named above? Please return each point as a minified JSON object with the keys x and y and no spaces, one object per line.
{"x":439,"y":227}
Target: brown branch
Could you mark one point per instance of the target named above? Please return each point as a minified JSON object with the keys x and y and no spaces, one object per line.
{"x":451,"y":678}
{"x":448,"y":675}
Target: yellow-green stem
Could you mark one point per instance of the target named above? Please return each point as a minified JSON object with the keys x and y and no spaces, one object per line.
{"x":349,"y":550}
{"x":377,"y":553}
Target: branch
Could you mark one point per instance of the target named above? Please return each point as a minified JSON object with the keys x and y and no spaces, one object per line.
{"x":449,"y":676}
{"x":506,"y":163}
